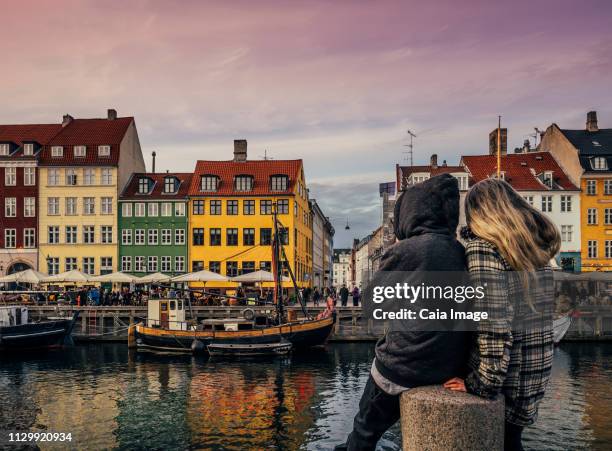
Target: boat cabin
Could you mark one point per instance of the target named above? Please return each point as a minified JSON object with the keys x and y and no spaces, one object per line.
{"x":13,"y":315}
{"x":166,"y":314}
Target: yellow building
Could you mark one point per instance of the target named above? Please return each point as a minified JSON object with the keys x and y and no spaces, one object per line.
{"x":230,"y":215}
{"x":82,"y":171}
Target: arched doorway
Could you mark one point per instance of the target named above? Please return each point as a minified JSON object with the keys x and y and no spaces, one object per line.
{"x":16,"y":267}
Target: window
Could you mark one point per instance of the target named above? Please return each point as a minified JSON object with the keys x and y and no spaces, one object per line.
{"x":166,"y":209}
{"x":248,"y":207}
{"x":529,"y":200}
{"x":139,"y":237}
{"x":179,"y":236}
{"x":547,"y":203}
{"x":209,"y":183}
{"x":126,"y":263}
{"x":107,"y":234}
{"x":567,"y":232}
{"x":53,"y":234}
{"x":592,"y":216}
{"x":607,"y":187}
{"x":232,"y":237}
{"x":5,"y":149}
{"x":215,"y":207}
{"x":53,"y":206}
{"x":71,"y":177}
{"x":265,"y":237}
{"x":214,"y":267}
{"x":592,"y":249}
{"x":566,"y":203}
{"x":591,"y":187}
{"x":265,"y":207}
{"x":143,"y":185}
{"x":139,"y":209}
{"x":232,"y":207}
{"x":170,"y":185}
{"x":248,"y":267}
{"x":283,"y":206}
{"x":89,"y":176}
{"x":284,"y":236}
{"x":80,"y":151}
{"x":198,"y":207}
{"x":152,"y":263}
{"x":89,"y":205}
{"x":265,"y":266}
{"x":179,"y":209}
{"x":89,"y":265}
{"x":104,"y":151}
{"x":599,"y":163}
{"x":198,"y":236}
{"x":279,"y":182}
{"x":166,"y":237}
{"x":547,"y":178}
{"x":243,"y":183}
{"x":29,"y":238}
{"x":248,"y":237}
{"x":10,"y":176}
{"x":53,"y":177}
{"x":10,"y":238}
{"x":71,"y":234}
{"x":231,"y":269}
{"x":52,"y":265}
{"x":29,"y":176}
{"x":10,"y":207}
{"x":126,"y":210}
{"x":165,"y":264}
{"x":608,"y":248}
{"x":197,"y":265}
{"x":139,"y":264}
{"x":179,"y":263}
{"x":28,"y":149}
{"x":106,"y":265}
{"x":295,"y":209}
{"x":107,"y":205}
{"x":126,"y":237}
{"x":608,"y":216}
{"x":57,"y":151}
{"x":153,"y":237}
{"x":215,"y":237}
{"x":70,"y":263}
{"x":107,"y":176}
{"x":89,"y":236}
{"x":153,"y":209}
{"x":71,"y":206}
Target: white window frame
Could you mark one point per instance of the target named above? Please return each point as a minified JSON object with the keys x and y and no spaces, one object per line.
{"x":566,"y":204}
{"x":10,"y":176}
{"x":179,"y":209}
{"x":71,"y":206}
{"x":5,"y":150}
{"x":591,"y":187}
{"x":166,"y":264}
{"x":89,"y":176}
{"x":567,"y":233}
{"x":53,"y":208}
{"x":89,"y":265}
{"x":104,"y":150}
{"x":166,"y":237}
{"x":126,"y":263}
{"x":71,"y":177}
{"x":592,"y":216}
{"x":107,"y":205}
{"x":89,"y":206}
{"x":152,"y":263}
{"x":179,"y":263}
{"x":107,"y":176}
{"x":29,"y":207}
{"x":139,"y":264}
{"x":547,"y":204}
{"x":71,"y":234}
{"x":153,"y":209}
{"x":139,"y":210}
{"x":126,"y":209}
{"x":592,"y":249}
{"x":608,"y":248}
{"x":29,"y":176}
{"x":153,"y":237}
{"x":10,"y":238}
{"x":28,"y":149}
{"x":89,"y":234}
{"x":53,"y":235}
{"x":126,"y":237}
{"x":166,"y":209}
{"x":53,"y":177}
{"x":106,"y":234}
{"x":57,"y":151}
{"x":10,"y":207}
{"x":29,"y":238}
{"x":179,"y":237}
{"x":139,"y":237}
{"x":79,"y":151}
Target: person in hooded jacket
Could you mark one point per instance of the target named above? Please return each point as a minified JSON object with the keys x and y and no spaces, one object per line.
{"x":425,"y":222}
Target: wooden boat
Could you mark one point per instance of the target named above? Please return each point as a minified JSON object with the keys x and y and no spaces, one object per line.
{"x":249,"y":349}
{"x":17,"y":334}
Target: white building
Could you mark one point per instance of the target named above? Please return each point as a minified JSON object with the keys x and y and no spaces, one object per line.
{"x":341,"y":270}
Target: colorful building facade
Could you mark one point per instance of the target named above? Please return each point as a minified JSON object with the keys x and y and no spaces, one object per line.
{"x":153,"y":224}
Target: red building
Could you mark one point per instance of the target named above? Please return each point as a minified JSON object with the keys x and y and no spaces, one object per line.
{"x":20,"y":146}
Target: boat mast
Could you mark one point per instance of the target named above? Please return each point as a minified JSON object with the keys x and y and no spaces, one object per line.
{"x":277,"y":268}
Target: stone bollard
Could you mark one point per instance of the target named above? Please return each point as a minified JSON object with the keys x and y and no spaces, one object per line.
{"x":436,"y":419}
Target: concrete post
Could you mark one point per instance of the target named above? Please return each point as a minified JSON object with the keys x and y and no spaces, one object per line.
{"x":437,"y":419}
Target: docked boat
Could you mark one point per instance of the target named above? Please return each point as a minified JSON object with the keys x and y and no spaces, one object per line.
{"x":250,"y":349}
{"x":560,"y":327}
{"x":18,"y":334}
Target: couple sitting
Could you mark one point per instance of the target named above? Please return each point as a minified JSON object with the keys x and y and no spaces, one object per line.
{"x":507,"y":241}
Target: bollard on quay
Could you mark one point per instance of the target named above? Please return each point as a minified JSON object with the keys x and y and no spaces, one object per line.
{"x":437,"y":419}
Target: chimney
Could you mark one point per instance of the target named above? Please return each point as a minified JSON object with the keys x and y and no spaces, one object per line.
{"x":67,"y":119}
{"x":444,"y":164}
{"x":111,"y":114}
{"x":240,"y":150}
{"x":153,"y":154}
{"x":433,"y":161}
{"x":526,"y":146}
{"x":493,"y":141}
{"x":591,"y":123}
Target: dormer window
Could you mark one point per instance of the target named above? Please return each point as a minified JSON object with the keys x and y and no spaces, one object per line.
{"x":599,"y":163}
{"x":28,"y":149}
{"x":209,"y":183}
{"x":80,"y":151}
{"x":104,"y":151}
{"x":279,"y":183}
{"x":170,"y":185}
{"x":547,"y":179}
{"x":57,"y":151}
{"x":144,"y":185}
{"x":243,"y":183}
{"x":4,"y":150}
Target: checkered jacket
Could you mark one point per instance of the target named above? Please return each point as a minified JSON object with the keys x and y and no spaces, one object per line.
{"x":513,"y":349}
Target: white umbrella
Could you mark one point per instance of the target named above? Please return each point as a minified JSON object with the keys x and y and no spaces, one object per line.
{"x":8,"y":278}
{"x":29,"y":276}
{"x":74,"y":276}
{"x":115,"y":277}
{"x":154,"y":278}
{"x":200,"y":276}
{"x":258,"y":276}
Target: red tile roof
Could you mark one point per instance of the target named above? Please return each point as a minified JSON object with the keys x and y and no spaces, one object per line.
{"x":131,"y":189}
{"x":261,"y":170}
{"x":18,"y":134}
{"x":517,"y":168}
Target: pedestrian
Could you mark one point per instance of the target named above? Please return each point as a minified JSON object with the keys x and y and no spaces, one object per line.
{"x":344,"y":294}
{"x":356,"y":296}
{"x":316,"y":296}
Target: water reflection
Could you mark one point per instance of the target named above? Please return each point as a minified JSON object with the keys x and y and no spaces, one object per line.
{"x":110,"y":399}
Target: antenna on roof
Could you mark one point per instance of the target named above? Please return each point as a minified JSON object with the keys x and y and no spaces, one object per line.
{"x":265,"y":155}
{"x":410,"y":147}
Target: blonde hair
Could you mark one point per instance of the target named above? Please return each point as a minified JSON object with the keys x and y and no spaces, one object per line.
{"x":524,"y":237}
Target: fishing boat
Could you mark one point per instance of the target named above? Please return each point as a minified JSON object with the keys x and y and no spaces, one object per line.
{"x":18,"y":334}
{"x":167,"y":330}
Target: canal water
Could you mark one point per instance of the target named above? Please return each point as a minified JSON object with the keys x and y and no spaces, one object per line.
{"x":111,"y":399}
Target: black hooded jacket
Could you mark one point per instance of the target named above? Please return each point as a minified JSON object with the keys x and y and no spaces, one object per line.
{"x":425,"y":221}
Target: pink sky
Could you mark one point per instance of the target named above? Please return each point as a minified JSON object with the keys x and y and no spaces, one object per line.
{"x":336,"y":83}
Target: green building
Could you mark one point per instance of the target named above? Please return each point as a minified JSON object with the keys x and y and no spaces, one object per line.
{"x":153,"y":224}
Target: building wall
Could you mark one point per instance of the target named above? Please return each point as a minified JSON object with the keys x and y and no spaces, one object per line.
{"x":130,"y":157}
{"x":601,"y":232}
{"x":342,"y":274}
{"x":563,"y":151}
{"x":318,"y":236}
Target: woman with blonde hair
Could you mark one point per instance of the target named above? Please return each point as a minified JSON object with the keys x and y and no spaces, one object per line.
{"x":508,"y":247}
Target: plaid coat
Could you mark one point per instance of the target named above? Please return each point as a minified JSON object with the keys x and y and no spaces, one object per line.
{"x":513,"y":349}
